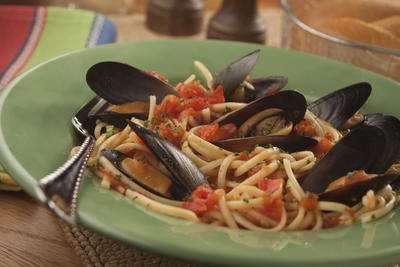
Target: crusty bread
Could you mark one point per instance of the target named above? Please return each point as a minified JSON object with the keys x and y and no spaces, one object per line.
{"x":371,"y":22}
{"x":360,"y":31}
{"x":391,"y":24}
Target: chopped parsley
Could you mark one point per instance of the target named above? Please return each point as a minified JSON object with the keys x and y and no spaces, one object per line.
{"x":227,"y":110}
{"x":118,"y":177}
{"x":345,"y":131}
{"x":245,"y":200}
{"x":350,"y":175}
{"x":111,"y":130}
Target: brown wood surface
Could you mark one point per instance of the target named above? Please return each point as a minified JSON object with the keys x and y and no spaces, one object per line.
{"x":30,"y":234}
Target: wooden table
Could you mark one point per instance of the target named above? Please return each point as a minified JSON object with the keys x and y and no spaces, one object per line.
{"x":30,"y":234}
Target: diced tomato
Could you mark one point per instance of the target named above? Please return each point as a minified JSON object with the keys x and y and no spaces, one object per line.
{"x":197,"y":206}
{"x":170,"y":107}
{"x":227,"y":131}
{"x":158,"y":76}
{"x":243,"y":156}
{"x":198,"y":103}
{"x":202,"y":199}
{"x":208,"y":132}
{"x":173,"y":133}
{"x":330,"y":222}
{"x":323,"y":146}
{"x":270,"y":185}
{"x":304,"y":128}
{"x":190,"y":90}
{"x":309,"y":202}
{"x":273,"y":208}
{"x":213,"y":132}
{"x":217,"y":96}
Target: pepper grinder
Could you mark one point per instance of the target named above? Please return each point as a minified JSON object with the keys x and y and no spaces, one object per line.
{"x":175,"y":17}
{"x":237,"y":20}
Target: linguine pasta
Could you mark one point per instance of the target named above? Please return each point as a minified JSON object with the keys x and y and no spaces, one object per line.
{"x":256,"y":190}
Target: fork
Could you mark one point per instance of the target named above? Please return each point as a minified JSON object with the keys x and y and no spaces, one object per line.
{"x":59,"y":190}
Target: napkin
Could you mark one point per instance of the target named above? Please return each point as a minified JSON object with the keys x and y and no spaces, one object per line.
{"x":30,"y":35}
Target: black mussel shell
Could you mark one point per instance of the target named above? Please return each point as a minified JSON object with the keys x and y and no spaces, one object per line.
{"x":358,"y":150}
{"x":352,"y":194}
{"x":269,"y":85}
{"x":183,"y":171}
{"x":116,"y":157}
{"x":232,"y":76}
{"x":290,"y":143}
{"x":120,"y":83}
{"x":293,"y":103}
{"x":391,"y":128}
{"x":337,"y":107}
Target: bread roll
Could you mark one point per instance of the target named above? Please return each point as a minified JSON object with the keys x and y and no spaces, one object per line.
{"x":356,"y":30}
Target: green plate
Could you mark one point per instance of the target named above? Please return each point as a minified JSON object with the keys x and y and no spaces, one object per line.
{"x":36,"y":136}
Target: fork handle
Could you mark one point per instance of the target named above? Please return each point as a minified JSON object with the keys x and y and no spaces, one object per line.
{"x":60,"y":188}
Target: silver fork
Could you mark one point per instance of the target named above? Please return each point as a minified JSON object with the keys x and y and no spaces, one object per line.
{"x":59,"y":190}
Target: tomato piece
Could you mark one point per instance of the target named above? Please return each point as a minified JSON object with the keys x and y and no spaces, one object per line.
{"x":173,"y":133}
{"x":190,"y":90}
{"x":330,"y":222}
{"x":213,"y":132}
{"x":217,"y":96}
{"x":273,"y":208}
{"x":304,"y":128}
{"x":243,"y":156}
{"x":202,"y":199}
{"x":309,"y":202}
{"x":271,"y":185}
{"x":323,"y":146}
{"x":208,"y":132}
{"x":197,"y":206}
{"x":197,"y":104}
{"x":169,"y":107}
{"x":227,"y":131}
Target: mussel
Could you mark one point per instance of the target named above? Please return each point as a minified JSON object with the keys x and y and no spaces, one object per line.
{"x":184,"y":176}
{"x":268,"y":120}
{"x":339,"y":106}
{"x":358,"y":150}
{"x":232,"y":79}
{"x":120,"y":83}
{"x":127,"y":87}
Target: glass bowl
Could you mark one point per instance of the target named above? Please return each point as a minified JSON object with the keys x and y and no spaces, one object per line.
{"x":298,"y":35}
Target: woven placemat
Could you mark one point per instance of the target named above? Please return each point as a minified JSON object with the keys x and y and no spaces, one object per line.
{"x":97,"y":250}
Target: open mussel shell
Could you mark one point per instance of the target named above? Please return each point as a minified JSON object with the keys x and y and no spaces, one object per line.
{"x":183,"y":171}
{"x":116,"y":158}
{"x":337,"y":107}
{"x":292,"y":103}
{"x":288,"y":143}
{"x":120,"y":83}
{"x":269,"y":85}
{"x":351,"y":194}
{"x":358,"y":150}
{"x":233,"y":75}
